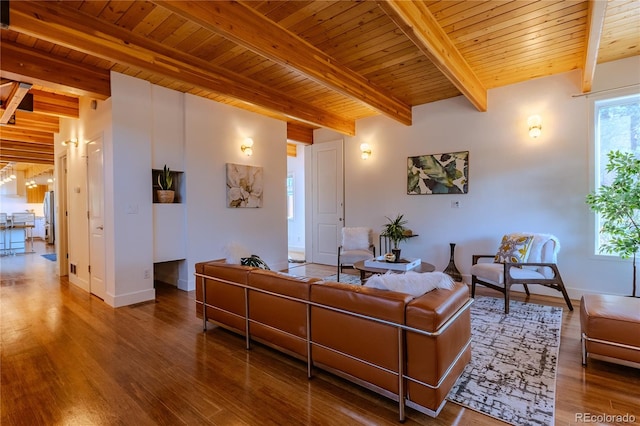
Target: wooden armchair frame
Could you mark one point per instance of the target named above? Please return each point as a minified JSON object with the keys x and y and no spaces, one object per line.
{"x":555,"y":282}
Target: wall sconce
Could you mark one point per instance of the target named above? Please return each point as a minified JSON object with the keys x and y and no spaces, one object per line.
{"x":535,"y":126}
{"x":365,"y":151}
{"x":247,"y":147}
{"x":70,"y":142}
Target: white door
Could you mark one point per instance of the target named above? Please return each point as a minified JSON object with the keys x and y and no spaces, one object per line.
{"x":95,"y":184}
{"x":327,"y":204}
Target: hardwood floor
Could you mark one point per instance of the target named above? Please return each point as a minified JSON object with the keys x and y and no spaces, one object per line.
{"x":67,"y":358}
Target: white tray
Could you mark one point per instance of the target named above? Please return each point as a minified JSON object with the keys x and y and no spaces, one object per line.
{"x":403,"y":265}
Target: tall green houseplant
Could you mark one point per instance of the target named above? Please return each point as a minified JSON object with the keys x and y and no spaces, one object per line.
{"x":619,"y":207}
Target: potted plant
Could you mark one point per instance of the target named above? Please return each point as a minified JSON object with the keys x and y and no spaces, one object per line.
{"x":165,"y":181}
{"x":396,"y":232}
{"x":619,"y":208}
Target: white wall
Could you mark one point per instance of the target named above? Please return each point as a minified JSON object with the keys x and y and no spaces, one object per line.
{"x":141,"y":130}
{"x":515,"y":183}
{"x":128,"y":187}
{"x":214,"y":133}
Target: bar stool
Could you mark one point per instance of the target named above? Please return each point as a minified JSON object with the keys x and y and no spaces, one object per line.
{"x":4,"y":225}
{"x":26,"y":222}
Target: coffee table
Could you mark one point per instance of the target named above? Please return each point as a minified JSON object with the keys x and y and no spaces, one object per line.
{"x":360,"y":266}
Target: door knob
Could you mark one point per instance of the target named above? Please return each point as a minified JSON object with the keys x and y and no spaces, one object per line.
{"x":100,"y":227}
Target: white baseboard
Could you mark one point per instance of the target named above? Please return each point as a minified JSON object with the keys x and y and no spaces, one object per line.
{"x":130,"y":298}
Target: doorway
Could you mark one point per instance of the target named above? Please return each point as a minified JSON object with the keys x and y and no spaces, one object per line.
{"x":324,"y":165}
{"x":296,"y":204}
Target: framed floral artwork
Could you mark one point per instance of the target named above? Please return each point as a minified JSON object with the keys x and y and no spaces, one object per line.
{"x":244,"y":186}
{"x":438,"y":173}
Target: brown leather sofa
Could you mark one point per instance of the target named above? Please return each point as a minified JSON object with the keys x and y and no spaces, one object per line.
{"x":410,"y":349}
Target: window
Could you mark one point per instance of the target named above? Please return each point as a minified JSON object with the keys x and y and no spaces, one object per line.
{"x":616,"y":127}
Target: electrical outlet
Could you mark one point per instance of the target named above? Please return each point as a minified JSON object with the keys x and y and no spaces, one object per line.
{"x":455,"y":204}
{"x":147,"y":274}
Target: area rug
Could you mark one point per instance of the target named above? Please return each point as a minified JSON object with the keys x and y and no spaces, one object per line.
{"x":49,"y":256}
{"x":344,"y":278}
{"x":512,"y":373}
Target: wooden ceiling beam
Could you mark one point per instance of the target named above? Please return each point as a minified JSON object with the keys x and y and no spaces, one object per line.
{"x":57,"y":23}
{"x":249,"y":28}
{"x":299,"y":133}
{"x":24,"y":152}
{"x":39,"y":148}
{"x":7,"y":132}
{"x":595,"y":23}
{"x":17,"y":94}
{"x":421,"y":27}
{"x":49,"y":103}
{"x":25,"y":157}
{"x":37,"y":67}
{"x":35,"y":121}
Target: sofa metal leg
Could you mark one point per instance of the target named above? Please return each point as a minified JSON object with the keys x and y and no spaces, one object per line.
{"x":204,"y":305}
{"x":583,"y":340}
{"x":401,"y":375}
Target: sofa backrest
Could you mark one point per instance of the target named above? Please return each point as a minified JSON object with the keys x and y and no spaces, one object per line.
{"x":281,"y":283}
{"x":352,"y":337}
{"x":437,"y":360}
{"x":276,"y":320}
{"x":429,"y":311}
{"x":382,"y":304}
{"x":227,"y":301}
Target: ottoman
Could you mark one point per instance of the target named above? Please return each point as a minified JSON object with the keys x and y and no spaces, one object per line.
{"x":611,"y":328}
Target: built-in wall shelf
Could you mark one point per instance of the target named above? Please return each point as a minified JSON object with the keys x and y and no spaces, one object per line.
{"x":173,"y":272}
{"x":178,"y":185}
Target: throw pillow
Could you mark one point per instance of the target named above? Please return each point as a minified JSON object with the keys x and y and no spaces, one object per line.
{"x":355,"y":238}
{"x":514,"y":248}
{"x":411,"y":282}
{"x":254,"y":261}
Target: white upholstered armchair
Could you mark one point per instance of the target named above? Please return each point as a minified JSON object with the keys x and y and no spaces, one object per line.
{"x":356,"y":245}
{"x":522,"y":259}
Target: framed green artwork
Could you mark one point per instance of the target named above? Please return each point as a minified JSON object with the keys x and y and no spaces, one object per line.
{"x":438,"y":173}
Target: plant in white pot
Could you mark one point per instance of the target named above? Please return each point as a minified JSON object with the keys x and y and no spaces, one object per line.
{"x":396,"y":232}
{"x":619,"y":208}
{"x":166,"y":193}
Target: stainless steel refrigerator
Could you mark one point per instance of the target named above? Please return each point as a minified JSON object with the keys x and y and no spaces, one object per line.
{"x":49,"y":218}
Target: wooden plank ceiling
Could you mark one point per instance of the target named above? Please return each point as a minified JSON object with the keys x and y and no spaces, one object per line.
{"x":310,"y":63}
